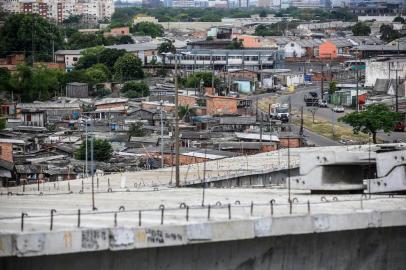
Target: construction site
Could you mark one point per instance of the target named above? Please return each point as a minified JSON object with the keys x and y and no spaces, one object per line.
{"x":281,"y":209}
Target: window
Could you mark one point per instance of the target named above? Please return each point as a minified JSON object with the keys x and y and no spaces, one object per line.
{"x":75,"y":59}
{"x":29,"y":118}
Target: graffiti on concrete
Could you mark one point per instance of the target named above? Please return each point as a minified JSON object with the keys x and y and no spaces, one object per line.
{"x":91,"y":239}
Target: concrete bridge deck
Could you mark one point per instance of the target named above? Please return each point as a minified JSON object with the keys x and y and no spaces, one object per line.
{"x":235,"y":214}
{"x":142,"y":220}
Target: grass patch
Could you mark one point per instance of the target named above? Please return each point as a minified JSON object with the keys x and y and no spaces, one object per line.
{"x":325,"y":128}
{"x":263,"y":103}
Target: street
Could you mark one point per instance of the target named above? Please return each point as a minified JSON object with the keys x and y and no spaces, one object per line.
{"x":296,"y":101}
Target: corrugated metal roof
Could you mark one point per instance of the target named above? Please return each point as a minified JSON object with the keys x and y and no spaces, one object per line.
{"x":341,"y":42}
{"x":256,"y":136}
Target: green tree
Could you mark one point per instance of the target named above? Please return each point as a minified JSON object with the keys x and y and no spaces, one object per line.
{"x":98,"y":73}
{"x":186,"y":112}
{"x":128,"y":67}
{"x":263,"y":13}
{"x":361,"y":29}
{"x":265,"y":30}
{"x":235,"y":45}
{"x":388,"y":33}
{"x":136,"y":130}
{"x":333,"y":87}
{"x":23,"y":32}
{"x":125,"y":40}
{"x":5,"y":77}
{"x":148,"y":29}
{"x":166,"y":47}
{"x":77,"y":76}
{"x":102,"y":150}
{"x":194,"y":80}
{"x":2,"y":123}
{"x":110,"y":56}
{"x":376,"y":117}
{"x":399,"y":19}
{"x":80,"y":40}
{"x":211,"y":17}
{"x":133,"y":89}
{"x":38,"y":83}
{"x":102,"y":92}
{"x":90,"y":57}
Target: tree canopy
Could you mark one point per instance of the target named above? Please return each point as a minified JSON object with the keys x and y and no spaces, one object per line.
{"x":99,"y":55}
{"x":166,"y":47}
{"x":361,"y":29}
{"x":102,"y":150}
{"x":235,"y":45}
{"x":133,"y":89}
{"x":375,"y":118}
{"x":399,"y":19}
{"x":267,"y":30}
{"x":148,"y":29}
{"x":128,"y":67}
{"x":36,"y":83}
{"x":388,"y":33}
{"x":97,"y":73}
{"x":136,"y":130}
{"x":27,"y":32}
{"x":194,"y":80}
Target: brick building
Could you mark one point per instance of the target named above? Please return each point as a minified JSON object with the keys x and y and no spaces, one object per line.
{"x":218,"y":105}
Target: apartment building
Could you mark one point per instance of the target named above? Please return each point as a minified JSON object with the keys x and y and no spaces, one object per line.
{"x":59,"y":10}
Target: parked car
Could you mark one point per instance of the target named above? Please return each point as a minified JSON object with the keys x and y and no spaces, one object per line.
{"x":399,"y":127}
{"x":338,"y":109}
{"x":322,"y":103}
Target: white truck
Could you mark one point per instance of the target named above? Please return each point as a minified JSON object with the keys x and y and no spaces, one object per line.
{"x":280,"y":112}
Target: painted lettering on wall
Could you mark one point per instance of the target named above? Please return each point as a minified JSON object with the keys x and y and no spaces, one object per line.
{"x":91,"y":239}
{"x":160,"y":237}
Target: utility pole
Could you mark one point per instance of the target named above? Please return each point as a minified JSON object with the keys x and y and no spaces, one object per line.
{"x":322,"y":82}
{"x":289,"y":168}
{"x":204,"y":175}
{"x":260,"y":128}
{"x":162,"y":137}
{"x":86,"y":157}
{"x":92,"y":163}
{"x":397,"y":86}
{"x":212,"y":72}
{"x":177,"y":174}
{"x":301,"y":122}
{"x":357,"y":98}
{"x":397,"y":80}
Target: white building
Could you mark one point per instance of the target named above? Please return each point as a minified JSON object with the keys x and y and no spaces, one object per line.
{"x":375,"y":69}
{"x":143,"y":18}
{"x":60,"y":10}
{"x":294,"y":49}
{"x":12,"y":6}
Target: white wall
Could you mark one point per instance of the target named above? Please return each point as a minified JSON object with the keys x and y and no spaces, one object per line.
{"x":70,"y":60}
{"x":386,"y":19}
{"x":380,"y":70}
{"x":292,"y":49}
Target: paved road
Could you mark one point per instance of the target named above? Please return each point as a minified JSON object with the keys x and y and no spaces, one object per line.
{"x":297,"y":101}
{"x":314,"y":138}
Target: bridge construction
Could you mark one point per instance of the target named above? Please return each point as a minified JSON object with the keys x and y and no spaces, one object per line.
{"x":140,"y":220}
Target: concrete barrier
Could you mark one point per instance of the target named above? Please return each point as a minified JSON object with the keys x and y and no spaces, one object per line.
{"x":160,"y":236}
{"x":26,"y":244}
{"x":6,"y":245}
